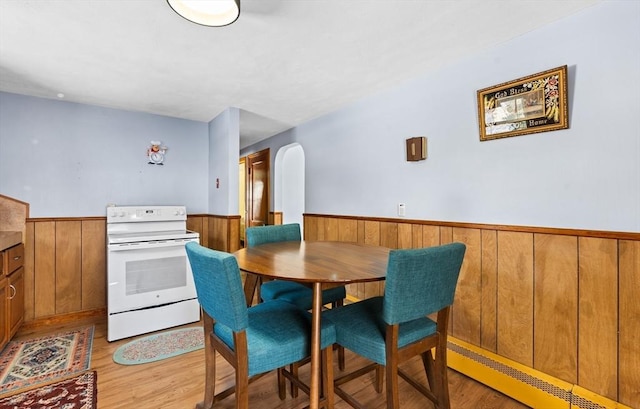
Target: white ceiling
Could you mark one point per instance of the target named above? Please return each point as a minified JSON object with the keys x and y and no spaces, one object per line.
{"x":282,"y":63}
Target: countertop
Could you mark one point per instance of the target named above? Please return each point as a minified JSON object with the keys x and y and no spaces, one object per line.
{"x":9,"y":239}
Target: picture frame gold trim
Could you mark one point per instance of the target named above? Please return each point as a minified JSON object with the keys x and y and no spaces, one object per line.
{"x":531,"y":104}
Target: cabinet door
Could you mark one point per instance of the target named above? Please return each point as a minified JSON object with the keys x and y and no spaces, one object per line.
{"x":4,"y":315}
{"x":16,"y":300}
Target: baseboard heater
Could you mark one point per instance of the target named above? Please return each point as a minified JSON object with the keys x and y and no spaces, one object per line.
{"x":529,"y":386}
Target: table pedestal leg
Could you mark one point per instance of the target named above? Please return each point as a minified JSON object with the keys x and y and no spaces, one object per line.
{"x":316,"y":311}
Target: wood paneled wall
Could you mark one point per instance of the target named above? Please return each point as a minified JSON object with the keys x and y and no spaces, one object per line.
{"x":275,"y":218}
{"x":65,"y":266}
{"x":217,"y":232}
{"x":66,"y":261}
{"x":561,"y":301}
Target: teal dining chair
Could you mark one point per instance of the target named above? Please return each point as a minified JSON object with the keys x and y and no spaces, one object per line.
{"x":254,"y":340}
{"x":395,"y":327}
{"x":290,"y":291}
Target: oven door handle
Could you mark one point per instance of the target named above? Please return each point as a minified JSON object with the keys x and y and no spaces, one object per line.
{"x":147,"y":245}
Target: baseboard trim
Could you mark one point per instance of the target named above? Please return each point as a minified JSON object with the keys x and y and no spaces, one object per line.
{"x":97,"y":314}
{"x":529,"y":386}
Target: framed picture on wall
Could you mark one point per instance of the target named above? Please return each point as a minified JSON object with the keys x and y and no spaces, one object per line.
{"x":536,"y":103}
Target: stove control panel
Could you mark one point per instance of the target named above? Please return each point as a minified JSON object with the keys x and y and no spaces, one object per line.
{"x":133,"y":214}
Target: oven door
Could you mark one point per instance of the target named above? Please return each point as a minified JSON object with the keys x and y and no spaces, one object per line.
{"x":148,"y":274}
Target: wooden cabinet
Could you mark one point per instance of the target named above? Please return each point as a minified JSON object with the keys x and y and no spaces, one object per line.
{"x":4,"y":316}
{"x":12,"y":292}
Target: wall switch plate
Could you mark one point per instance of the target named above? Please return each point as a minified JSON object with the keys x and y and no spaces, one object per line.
{"x":401,"y":209}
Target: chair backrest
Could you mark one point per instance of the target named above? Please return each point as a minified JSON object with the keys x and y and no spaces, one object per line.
{"x":218,"y":285}
{"x":421,"y":281}
{"x":273,"y":233}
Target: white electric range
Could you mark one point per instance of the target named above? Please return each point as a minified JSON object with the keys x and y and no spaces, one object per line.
{"x":150,"y":284}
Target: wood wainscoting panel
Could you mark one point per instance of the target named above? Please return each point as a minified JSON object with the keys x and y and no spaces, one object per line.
{"x":389,"y":235}
{"x":65,"y":261}
{"x":199,"y":224}
{"x":629,"y":316}
{"x":416,"y":236}
{"x":576,"y":288}
{"x":556,"y":306}
{"x":44,"y":269}
{"x":489,"y":304}
{"x":310,"y":228}
{"x":598,"y":315}
{"x":446,"y":234}
{"x":405,"y":236}
{"x":68,"y":268}
{"x":223,"y":232}
{"x":467,"y":307}
{"x":371,"y":237}
{"x":29,"y":273}
{"x":348,"y":230}
{"x":361,"y":234}
{"x":430,"y":236}
{"x":217,"y":237}
{"x":233,"y":232}
{"x":276,"y":218}
{"x":515,"y":296}
{"x":331,"y":230}
{"x":94,"y":265}
{"x":372,"y":232}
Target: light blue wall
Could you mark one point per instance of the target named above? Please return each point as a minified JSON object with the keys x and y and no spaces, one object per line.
{"x":71,"y":160}
{"x":586,"y":177}
{"x":224,"y":145}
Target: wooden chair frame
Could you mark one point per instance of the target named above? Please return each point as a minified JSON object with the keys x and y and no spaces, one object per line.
{"x":238,"y":358}
{"x":435,"y":367}
{"x":252,"y":289}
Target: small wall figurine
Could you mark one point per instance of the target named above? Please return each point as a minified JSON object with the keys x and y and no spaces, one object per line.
{"x":156,"y":152}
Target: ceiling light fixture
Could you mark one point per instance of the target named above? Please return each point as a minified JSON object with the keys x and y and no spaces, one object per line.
{"x":212,"y":13}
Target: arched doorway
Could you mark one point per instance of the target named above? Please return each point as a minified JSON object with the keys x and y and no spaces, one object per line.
{"x":289,"y":180}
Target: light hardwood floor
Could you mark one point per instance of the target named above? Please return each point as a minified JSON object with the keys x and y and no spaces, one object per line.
{"x":178,"y":382}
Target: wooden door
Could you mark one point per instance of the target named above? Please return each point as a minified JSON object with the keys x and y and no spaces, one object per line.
{"x":242,"y":196}
{"x":258,"y":188}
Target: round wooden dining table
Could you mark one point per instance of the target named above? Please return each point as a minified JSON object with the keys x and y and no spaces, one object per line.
{"x":319,"y":264}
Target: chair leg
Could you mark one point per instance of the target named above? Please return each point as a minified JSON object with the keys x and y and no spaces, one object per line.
{"x":210,"y":365}
{"x":340,"y":348}
{"x":293,"y":368}
{"x":327,"y":377}
{"x":379,"y":378}
{"x":443,"y":380}
{"x":393,"y":401}
{"x":282,"y":387}
{"x":242,"y":388}
{"x":341,"y":361}
{"x":392,"y":361}
{"x":436,"y":370}
{"x":427,"y":362}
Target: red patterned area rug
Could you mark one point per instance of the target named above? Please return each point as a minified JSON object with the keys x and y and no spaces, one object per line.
{"x":75,"y":393}
{"x":31,"y":362}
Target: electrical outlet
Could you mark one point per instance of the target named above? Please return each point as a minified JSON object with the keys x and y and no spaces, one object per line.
{"x":401,"y":209}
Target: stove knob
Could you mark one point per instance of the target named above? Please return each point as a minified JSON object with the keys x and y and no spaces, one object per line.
{"x":121,"y":214}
